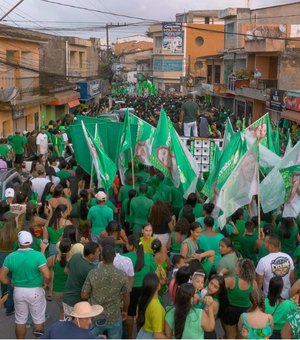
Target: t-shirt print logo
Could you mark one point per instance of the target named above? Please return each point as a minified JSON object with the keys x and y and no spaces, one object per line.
{"x":280,"y":266}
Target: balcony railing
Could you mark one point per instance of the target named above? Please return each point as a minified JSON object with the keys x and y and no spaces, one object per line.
{"x":260,"y":84}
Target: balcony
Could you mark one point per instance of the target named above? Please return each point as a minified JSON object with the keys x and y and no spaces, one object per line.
{"x":7,"y":82}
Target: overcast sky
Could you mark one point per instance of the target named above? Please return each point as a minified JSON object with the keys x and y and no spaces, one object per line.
{"x":35,"y":13}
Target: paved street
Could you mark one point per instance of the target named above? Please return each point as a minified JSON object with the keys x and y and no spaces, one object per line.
{"x":8,"y":325}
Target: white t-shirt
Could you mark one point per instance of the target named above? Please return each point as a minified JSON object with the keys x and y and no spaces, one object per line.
{"x":125,"y":264}
{"x":276,"y":264}
{"x":42,"y":141}
{"x":38,"y":186}
{"x":55,"y":180}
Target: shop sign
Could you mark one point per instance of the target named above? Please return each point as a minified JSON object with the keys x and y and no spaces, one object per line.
{"x":276,"y":99}
{"x":293,"y":103}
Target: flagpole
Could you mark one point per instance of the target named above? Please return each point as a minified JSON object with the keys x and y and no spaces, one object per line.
{"x":258,"y":205}
{"x":132,"y":167}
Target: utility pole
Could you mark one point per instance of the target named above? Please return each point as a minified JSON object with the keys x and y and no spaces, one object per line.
{"x":15,"y":6}
{"x":107,"y":42}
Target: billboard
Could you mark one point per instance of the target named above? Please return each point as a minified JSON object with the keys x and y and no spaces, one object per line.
{"x":277,"y":99}
{"x":172,"y":37}
{"x":293,"y":103}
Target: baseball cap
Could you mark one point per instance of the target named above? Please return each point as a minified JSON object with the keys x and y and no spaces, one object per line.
{"x":24,"y":238}
{"x":101,"y":196}
{"x":9,"y":192}
{"x":42,"y":127}
{"x":61,"y":128}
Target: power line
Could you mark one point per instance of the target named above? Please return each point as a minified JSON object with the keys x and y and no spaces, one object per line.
{"x":98,"y":11}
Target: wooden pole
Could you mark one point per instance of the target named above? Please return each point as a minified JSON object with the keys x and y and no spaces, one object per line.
{"x":258,"y":205}
{"x":132,"y":167}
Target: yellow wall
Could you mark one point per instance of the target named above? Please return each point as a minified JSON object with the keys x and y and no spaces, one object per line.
{"x":212,"y":42}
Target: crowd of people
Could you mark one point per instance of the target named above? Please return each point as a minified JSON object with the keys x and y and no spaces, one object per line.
{"x":138,"y":261}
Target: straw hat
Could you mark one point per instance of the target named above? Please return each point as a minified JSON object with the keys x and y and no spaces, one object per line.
{"x":85,"y":310}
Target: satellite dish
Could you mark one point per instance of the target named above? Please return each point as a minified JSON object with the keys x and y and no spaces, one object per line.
{"x":249,"y":35}
{"x":8,"y":94}
{"x":282,"y":28}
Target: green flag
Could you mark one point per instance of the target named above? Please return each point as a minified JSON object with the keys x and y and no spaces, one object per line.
{"x":291,"y":180}
{"x":145,"y":132}
{"x":105,"y":168}
{"x":219,"y":174}
{"x":125,"y":147}
{"x":289,"y":145}
{"x":240,"y":186}
{"x":272,"y":188}
{"x":262,"y":129}
{"x":276,"y":140}
{"x":228,"y":134}
{"x":171,"y":157}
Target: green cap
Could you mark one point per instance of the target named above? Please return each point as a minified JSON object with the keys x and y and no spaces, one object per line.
{"x":42,"y":127}
{"x":61,"y":128}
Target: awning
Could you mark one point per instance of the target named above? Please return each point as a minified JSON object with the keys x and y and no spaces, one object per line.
{"x":291,"y":115}
{"x":74,"y":103}
{"x":65,"y":97}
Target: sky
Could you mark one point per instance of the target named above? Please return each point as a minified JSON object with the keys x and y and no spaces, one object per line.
{"x":55,"y":19}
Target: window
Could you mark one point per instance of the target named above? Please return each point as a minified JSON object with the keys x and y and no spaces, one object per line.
{"x":217,"y":74}
{"x":81,"y":56}
{"x":209,"y":74}
{"x":206,"y":20}
{"x":199,"y":41}
{"x":230,"y":30}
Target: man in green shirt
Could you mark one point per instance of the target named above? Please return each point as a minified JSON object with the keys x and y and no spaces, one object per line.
{"x":18,"y":144}
{"x":99,"y":216}
{"x":29,"y":274}
{"x":188,"y":116}
{"x":140,"y":210}
{"x":58,"y":143}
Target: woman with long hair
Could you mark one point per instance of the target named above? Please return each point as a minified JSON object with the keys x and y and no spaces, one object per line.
{"x":255,"y":323}
{"x":147,"y":238}
{"x":47,"y":194}
{"x":114,"y":229}
{"x":57,"y":263}
{"x":161,"y":220}
{"x":55,"y":229}
{"x":32,"y":221}
{"x":57,"y":199}
{"x":238,"y":218}
{"x":8,"y":236}
{"x":189,"y":246}
{"x":239,"y":288}
{"x":177,"y":236}
{"x":208,"y":209}
{"x":150,"y":319}
{"x":143,"y":264}
{"x":182,"y":276}
{"x":185,"y":322}
{"x":230,"y":255}
{"x":210,"y":239}
{"x":51,"y":175}
{"x":288,"y":232}
{"x":187,"y":212}
{"x":279,"y":308}
{"x":71,"y":233}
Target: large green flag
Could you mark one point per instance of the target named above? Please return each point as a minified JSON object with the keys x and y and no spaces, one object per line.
{"x":221,"y":171}
{"x":262,"y":129}
{"x":170,"y":156}
{"x":291,"y":180}
{"x":145,"y":133}
{"x":272,"y":188}
{"x":228,"y":134}
{"x":104,"y":167}
{"x":240,"y":186}
{"x":125,"y":152}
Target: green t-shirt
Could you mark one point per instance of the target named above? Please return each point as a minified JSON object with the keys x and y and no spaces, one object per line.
{"x":108,"y":203}
{"x":59,"y":142}
{"x":288,"y":245}
{"x":4,"y":150}
{"x":211,"y":243}
{"x":100,"y":216}
{"x":200,"y":220}
{"x":240,"y":226}
{"x":139,"y":212}
{"x":247,"y":243}
{"x":78,"y":269}
{"x":123,"y":193}
{"x":54,"y":235}
{"x":228,"y":262}
{"x":283,"y":309}
{"x":25,"y":264}
{"x":190,"y":111}
{"x":296,"y":257}
{"x":149,"y":267}
{"x":163,"y":193}
{"x":63,"y":174}
{"x":18,"y":143}
{"x":192,"y":327}
{"x":197,"y":211}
